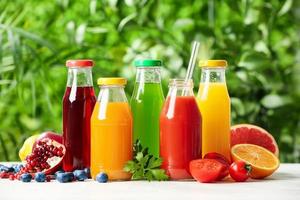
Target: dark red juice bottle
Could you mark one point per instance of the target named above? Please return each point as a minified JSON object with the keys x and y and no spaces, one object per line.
{"x":78,"y":104}
{"x":180,"y":132}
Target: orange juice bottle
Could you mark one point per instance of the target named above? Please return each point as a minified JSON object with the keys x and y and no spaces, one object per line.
{"x":214,"y":103}
{"x":111,"y":130}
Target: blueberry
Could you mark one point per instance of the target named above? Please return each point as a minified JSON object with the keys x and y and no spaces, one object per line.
{"x":80,"y":175}
{"x":62,"y":177}
{"x":17,"y":167}
{"x":40,"y":177}
{"x":70,"y":175}
{"x":60,"y":171}
{"x":88,"y":172}
{"x":26,"y":177}
{"x":102,"y":177}
{"x":65,"y":177}
{"x":4,"y":168}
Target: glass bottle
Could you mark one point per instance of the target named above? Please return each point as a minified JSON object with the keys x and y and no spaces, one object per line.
{"x":214,"y":103}
{"x":180,"y":130}
{"x":146,"y":103}
{"x":78,"y":103}
{"x":111,"y":130}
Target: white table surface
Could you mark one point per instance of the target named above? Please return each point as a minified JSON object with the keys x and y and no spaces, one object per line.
{"x":283,"y":184}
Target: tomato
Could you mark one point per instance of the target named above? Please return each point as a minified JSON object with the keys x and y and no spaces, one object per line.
{"x":223,"y":160}
{"x":206,"y":170}
{"x":239,"y":171}
{"x":219,"y":157}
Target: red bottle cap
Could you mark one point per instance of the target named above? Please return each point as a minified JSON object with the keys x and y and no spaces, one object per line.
{"x":80,"y":63}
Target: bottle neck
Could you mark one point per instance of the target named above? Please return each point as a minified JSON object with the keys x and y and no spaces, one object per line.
{"x":112,"y":93}
{"x":178,"y":87}
{"x":80,"y":77}
{"x":148,"y":75}
{"x":213,"y":75}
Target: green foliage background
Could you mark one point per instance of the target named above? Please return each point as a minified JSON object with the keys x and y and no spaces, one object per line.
{"x":260,"y":40}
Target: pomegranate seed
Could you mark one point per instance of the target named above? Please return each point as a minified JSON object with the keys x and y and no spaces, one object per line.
{"x":2,"y":174}
{"x":18,"y":176}
{"x":48,"y":178}
{"x":59,"y":153}
{"x":33,"y":163}
{"x":11,"y":177}
{"x":47,"y":166}
{"x":28,"y":166}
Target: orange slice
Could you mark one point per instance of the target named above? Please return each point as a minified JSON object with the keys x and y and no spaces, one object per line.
{"x":263,"y":162}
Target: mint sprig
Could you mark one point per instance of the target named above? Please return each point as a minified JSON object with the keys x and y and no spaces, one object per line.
{"x":145,"y":166}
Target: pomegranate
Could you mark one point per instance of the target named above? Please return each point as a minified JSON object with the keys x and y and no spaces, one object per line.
{"x":50,"y":135}
{"x":47,"y":155}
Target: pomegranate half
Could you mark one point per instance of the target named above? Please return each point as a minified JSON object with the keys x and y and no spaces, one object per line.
{"x":46,"y":156}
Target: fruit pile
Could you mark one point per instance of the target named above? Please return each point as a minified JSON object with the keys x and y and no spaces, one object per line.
{"x":254,"y":154}
{"x":43,"y":155}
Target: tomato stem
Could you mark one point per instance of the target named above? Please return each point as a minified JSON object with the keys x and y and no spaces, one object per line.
{"x":248,"y":168}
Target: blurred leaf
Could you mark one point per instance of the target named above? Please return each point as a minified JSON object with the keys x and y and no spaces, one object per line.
{"x":286,"y":7}
{"x":237,"y":105}
{"x":126,"y":20}
{"x":80,"y":31}
{"x":34,"y":37}
{"x":184,"y":24}
{"x":254,"y":61}
{"x":274,"y":101}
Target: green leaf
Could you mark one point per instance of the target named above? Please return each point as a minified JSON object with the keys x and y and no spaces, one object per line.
{"x":144,"y":161}
{"x":274,"y":101}
{"x":184,"y":24}
{"x":286,"y":7}
{"x":139,"y":174}
{"x":254,"y":61}
{"x":34,"y":38}
{"x":125,"y":21}
{"x":139,"y":156}
{"x":145,"y":166}
{"x":149,"y":176}
{"x":238,"y":106}
{"x":129,"y":166}
{"x":154,"y":162}
{"x":137,"y":147}
{"x":159,"y":174}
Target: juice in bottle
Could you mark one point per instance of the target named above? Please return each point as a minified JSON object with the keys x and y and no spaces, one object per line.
{"x":180,"y":130}
{"x":214,"y":103}
{"x":111,"y":130}
{"x":146,"y":103}
{"x":78,"y":103}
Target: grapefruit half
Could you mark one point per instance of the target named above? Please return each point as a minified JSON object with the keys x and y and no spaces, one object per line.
{"x":251,"y":134}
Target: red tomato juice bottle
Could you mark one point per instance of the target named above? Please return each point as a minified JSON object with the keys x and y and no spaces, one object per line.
{"x":180,"y":130}
{"x":78,"y":103}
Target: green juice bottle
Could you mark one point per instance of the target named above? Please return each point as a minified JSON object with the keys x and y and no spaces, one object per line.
{"x":146,"y":104}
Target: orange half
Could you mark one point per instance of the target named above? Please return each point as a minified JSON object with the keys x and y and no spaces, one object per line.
{"x":263,"y":162}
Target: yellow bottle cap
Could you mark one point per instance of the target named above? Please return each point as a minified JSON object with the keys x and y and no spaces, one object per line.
{"x":212,"y":63}
{"x":111,"y":81}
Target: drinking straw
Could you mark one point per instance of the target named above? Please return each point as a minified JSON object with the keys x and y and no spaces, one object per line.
{"x":192,"y":61}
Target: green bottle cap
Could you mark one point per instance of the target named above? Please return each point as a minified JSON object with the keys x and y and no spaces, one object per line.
{"x":148,"y":63}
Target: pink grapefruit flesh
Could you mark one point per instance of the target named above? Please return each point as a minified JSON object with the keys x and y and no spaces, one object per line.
{"x":251,"y":134}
